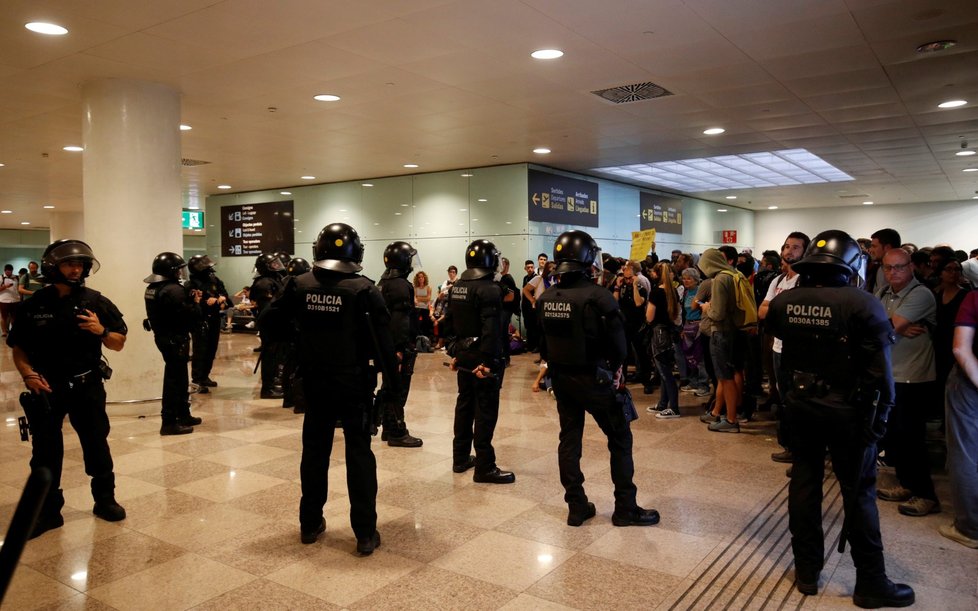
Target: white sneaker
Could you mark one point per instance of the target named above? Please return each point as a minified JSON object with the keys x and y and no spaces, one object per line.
{"x":653,"y":409}
{"x":667,"y":414}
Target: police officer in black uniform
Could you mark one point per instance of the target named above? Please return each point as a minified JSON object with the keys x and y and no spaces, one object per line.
{"x":836,"y":352}
{"x":267,"y":286}
{"x":398,"y":294}
{"x":207,"y":334}
{"x":292,"y":395}
{"x":474,"y":309}
{"x":57,"y":349}
{"x":342,"y":325}
{"x":173,"y":312}
{"x":584,"y":346}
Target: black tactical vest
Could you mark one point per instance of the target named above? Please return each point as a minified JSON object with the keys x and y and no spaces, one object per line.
{"x":562,"y":313}
{"x":330,"y":322}
{"x":812,"y":324}
{"x":463,"y":302}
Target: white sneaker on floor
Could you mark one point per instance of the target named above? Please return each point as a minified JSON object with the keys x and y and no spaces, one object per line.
{"x":653,"y":409}
{"x":667,"y":414}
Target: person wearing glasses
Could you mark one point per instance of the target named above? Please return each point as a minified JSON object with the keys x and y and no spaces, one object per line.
{"x":912,"y":311}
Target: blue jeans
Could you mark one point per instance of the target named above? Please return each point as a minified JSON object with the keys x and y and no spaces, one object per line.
{"x":669,"y":396}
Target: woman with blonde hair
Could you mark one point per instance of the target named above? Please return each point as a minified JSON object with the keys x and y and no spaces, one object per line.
{"x":422,"y":303}
{"x":662,"y":313}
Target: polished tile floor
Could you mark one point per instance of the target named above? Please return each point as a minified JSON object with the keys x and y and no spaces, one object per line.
{"x":213,"y":516}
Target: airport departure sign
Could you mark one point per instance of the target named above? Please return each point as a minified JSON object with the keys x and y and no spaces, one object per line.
{"x":254,"y":229}
{"x":559,"y":199}
{"x":659,"y":212}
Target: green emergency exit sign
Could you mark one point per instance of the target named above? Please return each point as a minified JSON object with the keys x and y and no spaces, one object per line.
{"x":193,"y":219}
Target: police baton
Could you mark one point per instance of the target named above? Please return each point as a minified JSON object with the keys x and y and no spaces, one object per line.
{"x":857,"y":476}
{"x":485,"y":374}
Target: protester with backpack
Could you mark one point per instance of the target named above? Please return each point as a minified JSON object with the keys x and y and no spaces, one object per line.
{"x":733,"y":313}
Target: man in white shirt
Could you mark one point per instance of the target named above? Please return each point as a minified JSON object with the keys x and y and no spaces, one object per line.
{"x":969,"y":268}
{"x":792,"y":251}
{"x":9,"y":297}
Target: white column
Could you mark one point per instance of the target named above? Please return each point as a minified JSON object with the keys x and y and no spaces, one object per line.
{"x":132,"y":201}
{"x":67,"y":225}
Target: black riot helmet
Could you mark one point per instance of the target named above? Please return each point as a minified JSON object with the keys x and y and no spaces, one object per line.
{"x":297,"y":266}
{"x":338,"y":248}
{"x":268,"y":265}
{"x":399,"y":259}
{"x":481,"y":260}
{"x":576,"y":251}
{"x":285,"y":258}
{"x":166,"y":266}
{"x":834,"y":258}
{"x":67,"y":250}
{"x":200,"y":264}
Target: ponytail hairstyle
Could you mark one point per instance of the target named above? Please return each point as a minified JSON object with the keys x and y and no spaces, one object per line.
{"x":663,"y":270}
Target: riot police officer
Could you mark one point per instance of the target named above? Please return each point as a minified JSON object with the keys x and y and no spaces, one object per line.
{"x":173,"y":312}
{"x":207,"y":334}
{"x":584,"y":346}
{"x":474,"y":310}
{"x":291,"y":384}
{"x":267,"y":285}
{"x":836,"y":350}
{"x":398,"y":294}
{"x":342,"y":325}
{"x":57,"y":349}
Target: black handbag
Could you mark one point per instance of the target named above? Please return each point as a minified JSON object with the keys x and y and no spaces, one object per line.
{"x":663,"y":339}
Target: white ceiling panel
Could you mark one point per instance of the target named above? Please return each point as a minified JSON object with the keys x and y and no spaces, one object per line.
{"x":450,"y":83}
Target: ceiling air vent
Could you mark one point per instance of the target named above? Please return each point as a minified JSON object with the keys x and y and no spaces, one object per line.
{"x":854,"y":196}
{"x":189,"y":163}
{"x":636,"y":92}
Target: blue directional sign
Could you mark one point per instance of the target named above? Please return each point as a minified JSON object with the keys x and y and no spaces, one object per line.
{"x":253,"y":229}
{"x":559,"y":199}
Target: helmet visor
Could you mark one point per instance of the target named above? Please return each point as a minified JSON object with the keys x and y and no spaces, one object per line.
{"x":597,"y":268}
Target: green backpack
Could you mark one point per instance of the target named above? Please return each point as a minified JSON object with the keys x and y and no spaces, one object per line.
{"x":746,"y":315}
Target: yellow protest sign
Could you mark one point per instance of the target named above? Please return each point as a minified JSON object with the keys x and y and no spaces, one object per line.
{"x":642,"y":243}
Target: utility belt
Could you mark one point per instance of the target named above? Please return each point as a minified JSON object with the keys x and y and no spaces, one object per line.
{"x":812,"y":385}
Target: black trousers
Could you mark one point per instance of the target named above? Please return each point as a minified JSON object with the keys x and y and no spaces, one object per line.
{"x":272,"y":363}
{"x":85,"y":407}
{"x":476,"y":412}
{"x":815,"y":427}
{"x":206,"y":337}
{"x":176,"y":382}
{"x":639,"y":343}
{"x":326,"y":404}
{"x":393,"y":402}
{"x":906,"y":438}
{"x":578,"y":394}
{"x":531,"y":328}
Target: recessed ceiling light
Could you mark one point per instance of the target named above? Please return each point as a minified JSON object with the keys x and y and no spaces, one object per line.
{"x":410,"y":165}
{"x":404,"y":205}
{"x":952,"y":103}
{"x":970,"y":170}
{"x":367,"y":184}
{"x":974,"y":197}
{"x":48,"y":207}
{"x":731,"y":197}
{"x":937,"y":45}
{"x":547,"y":54}
{"x":867,"y":203}
{"x":308,"y":177}
{"x":965,"y":153}
{"x":713,"y":131}
{"x":285,"y":192}
{"x":482,"y":199}
{"x":2,"y":164}
{"x":462,"y":209}
{"x":467,"y":175}
{"x":397,"y":214}
{"x":51,"y":29}
{"x":223,"y":186}
{"x":721,"y":209}
{"x":541,"y":151}
{"x":73,"y":149}
{"x":25,"y":222}
{"x":185,"y":128}
{"x":326,"y":97}
{"x":727,"y":172}
{"x":772,"y":207}
{"x":342,"y":209}
{"x":6,"y":211}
